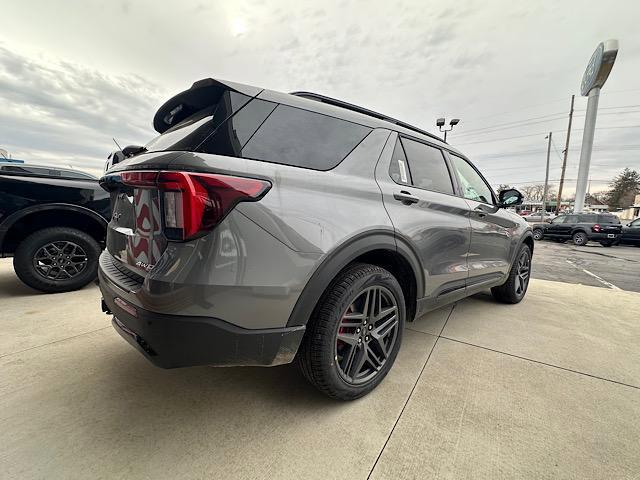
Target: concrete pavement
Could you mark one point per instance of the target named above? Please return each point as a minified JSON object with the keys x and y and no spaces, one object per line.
{"x":548,"y":388}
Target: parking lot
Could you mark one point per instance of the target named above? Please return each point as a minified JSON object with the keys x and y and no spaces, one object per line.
{"x":549,"y":388}
{"x":592,"y":264}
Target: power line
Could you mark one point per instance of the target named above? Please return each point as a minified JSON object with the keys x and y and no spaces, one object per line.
{"x":523,"y":123}
{"x":544,"y":133}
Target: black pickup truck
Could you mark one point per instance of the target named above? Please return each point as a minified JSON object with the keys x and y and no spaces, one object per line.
{"x":581,"y":228}
{"x":53,"y":221}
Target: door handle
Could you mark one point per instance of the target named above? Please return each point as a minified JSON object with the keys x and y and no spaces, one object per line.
{"x":406,"y":198}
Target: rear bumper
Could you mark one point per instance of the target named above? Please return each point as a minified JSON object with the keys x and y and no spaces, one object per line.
{"x":598,"y":237}
{"x":171,"y":341}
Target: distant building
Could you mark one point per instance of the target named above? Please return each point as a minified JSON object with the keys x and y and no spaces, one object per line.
{"x":631,"y":212}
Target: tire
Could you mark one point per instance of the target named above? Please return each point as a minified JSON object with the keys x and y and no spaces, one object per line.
{"x":515,"y":288}
{"x":538,"y":234}
{"x":580,"y":239}
{"x":325,"y":359}
{"x":77,"y":251}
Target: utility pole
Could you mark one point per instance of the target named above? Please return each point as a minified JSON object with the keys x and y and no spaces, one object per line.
{"x":564,"y":159}
{"x":546,"y":180}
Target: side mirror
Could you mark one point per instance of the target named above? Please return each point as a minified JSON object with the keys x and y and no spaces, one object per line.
{"x":113,"y":159}
{"x":510,"y":198}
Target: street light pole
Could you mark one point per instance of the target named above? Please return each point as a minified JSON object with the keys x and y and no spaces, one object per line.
{"x":440,"y":124}
{"x":546,"y":180}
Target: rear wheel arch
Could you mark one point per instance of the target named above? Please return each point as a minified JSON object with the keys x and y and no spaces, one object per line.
{"x":21,"y":224}
{"x":382,"y":249}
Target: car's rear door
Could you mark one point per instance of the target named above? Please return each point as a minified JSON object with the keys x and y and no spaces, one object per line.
{"x":492,"y":228}
{"x":418,"y":193}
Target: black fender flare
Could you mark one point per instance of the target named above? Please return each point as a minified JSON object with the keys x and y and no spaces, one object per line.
{"x":15,"y":217}
{"x":525,"y":235}
{"x":340,"y":257}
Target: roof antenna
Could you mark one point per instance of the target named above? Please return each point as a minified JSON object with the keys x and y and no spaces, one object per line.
{"x":114,"y":141}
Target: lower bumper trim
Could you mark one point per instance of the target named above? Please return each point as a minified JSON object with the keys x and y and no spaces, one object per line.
{"x":171,"y":341}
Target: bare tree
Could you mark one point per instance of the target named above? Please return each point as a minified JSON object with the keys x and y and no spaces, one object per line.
{"x":528,"y":192}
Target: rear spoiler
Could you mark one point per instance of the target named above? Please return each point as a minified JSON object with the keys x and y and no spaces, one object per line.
{"x":202,"y":94}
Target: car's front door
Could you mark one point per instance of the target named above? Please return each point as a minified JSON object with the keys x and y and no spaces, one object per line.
{"x":418,"y":193}
{"x":493,"y":229}
{"x":555,"y":227}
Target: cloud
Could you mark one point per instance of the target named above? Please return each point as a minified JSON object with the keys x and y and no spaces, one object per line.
{"x":62,"y":112}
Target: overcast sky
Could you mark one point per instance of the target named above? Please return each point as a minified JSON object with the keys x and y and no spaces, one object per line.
{"x":74,"y":74}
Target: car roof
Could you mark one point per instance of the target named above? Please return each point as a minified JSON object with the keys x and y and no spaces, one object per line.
{"x":195,"y":98}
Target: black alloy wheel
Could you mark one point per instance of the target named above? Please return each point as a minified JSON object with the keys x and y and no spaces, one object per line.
{"x":60,"y":260}
{"x":57,"y":259}
{"x":580,"y":238}
{"x":523,"y":272}
{"x":515,"y":287}
{"x":355,"y":332}
{"x":366,"y":334}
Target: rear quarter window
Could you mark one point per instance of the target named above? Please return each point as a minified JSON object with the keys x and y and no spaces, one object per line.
{"x":300,"y":138}
{"x":608,"y":219}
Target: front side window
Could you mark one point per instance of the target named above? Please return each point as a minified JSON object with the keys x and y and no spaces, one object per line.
{"x":571,"y":219}
{"x":427,"y":166}
{"x":473,"y":185}
{"x":636,"y":223}
{"x":557,"y":220}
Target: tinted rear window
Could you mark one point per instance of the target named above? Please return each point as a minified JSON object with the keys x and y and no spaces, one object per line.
{"x":256,"y":129}
{"x":189,"y":134}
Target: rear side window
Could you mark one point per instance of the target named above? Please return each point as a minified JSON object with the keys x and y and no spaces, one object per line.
{"x":608,"y":219}
{"x":300,"y":138}
{"x":239,"y":126}
{"x":587,"y":218}
{"x":428,"y":167}
{"x":398,"y":169}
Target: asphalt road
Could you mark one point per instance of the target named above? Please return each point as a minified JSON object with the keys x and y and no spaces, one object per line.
{"x":593,"y":264}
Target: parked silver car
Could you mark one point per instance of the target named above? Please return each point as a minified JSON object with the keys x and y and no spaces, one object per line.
{"x":261,"y":228}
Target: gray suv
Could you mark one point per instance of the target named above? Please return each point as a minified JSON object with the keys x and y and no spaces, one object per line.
{"x":261,"y":228}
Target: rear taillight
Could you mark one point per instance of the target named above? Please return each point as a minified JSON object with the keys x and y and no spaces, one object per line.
{"x":194,"y":203}
{"x":596,"y":228}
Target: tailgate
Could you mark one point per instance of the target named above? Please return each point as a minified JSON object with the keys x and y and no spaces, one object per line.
{"x":135,"y":235}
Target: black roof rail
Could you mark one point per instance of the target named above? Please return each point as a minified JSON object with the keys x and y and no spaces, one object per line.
{"x":355,"y":108}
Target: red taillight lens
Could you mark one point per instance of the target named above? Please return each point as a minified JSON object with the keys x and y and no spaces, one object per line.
{"x":596,"y":228}
{"x":194,"y":203}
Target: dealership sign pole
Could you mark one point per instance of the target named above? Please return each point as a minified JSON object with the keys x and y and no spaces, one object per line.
{"x":593,"y":79}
